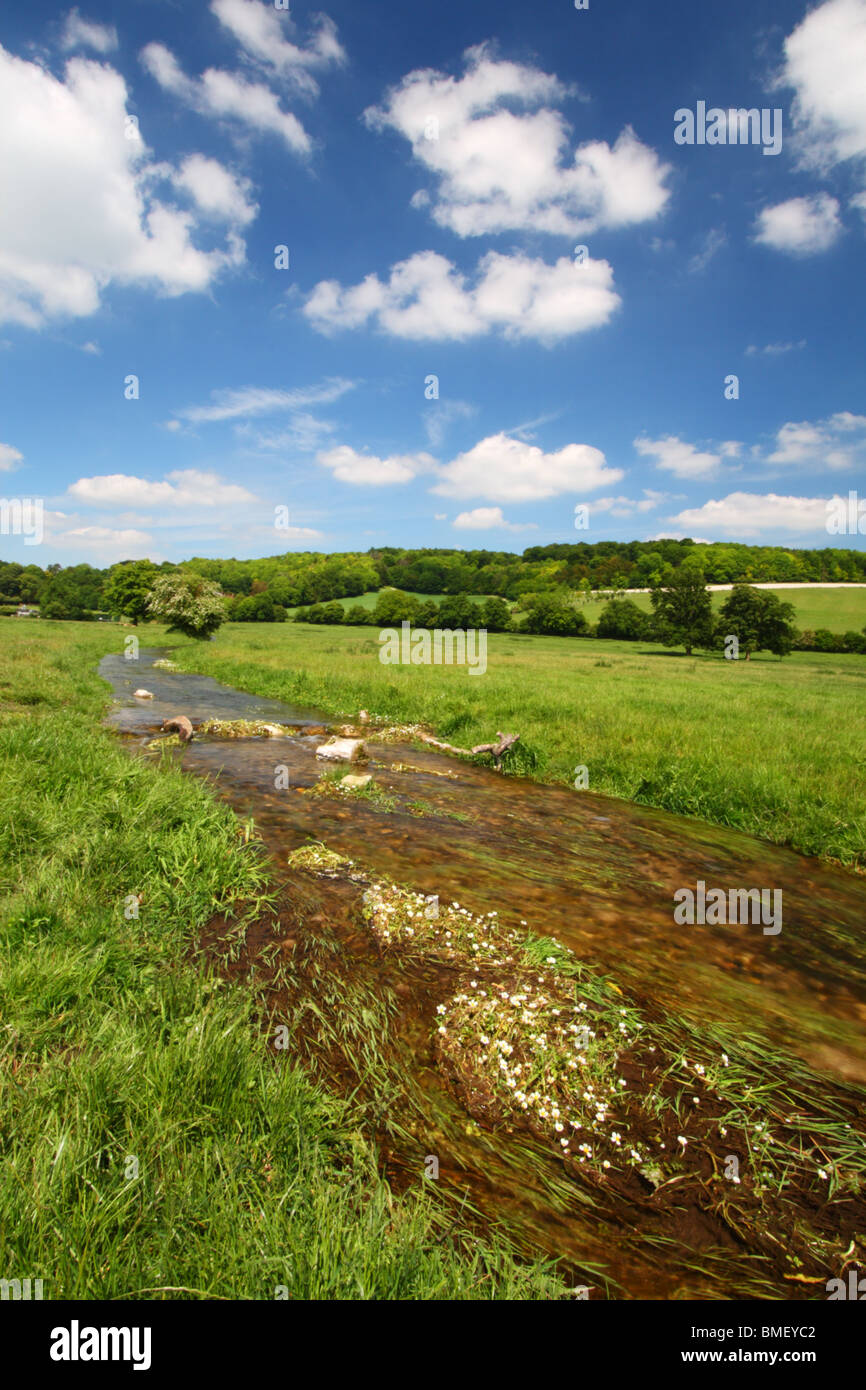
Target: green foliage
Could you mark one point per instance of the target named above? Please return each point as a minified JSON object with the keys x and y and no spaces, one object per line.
{"x":551,"y":617}
{"x":128,"y":587}
{"x":187,"y":604}
{"x":683,"y":610}
{"x":623,"y":620}
{"x":758,"y":619}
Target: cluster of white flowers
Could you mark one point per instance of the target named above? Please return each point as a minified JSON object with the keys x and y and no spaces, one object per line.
{"x":526,"y":1042}
{"x":453,"y":933}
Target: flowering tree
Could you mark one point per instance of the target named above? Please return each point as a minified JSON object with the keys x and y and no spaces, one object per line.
{"x":187,"y":603}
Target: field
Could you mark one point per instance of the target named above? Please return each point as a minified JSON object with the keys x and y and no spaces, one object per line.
{"x":837,"y":610}
{"x":152,"y":1146}
{"x":771,"y":747}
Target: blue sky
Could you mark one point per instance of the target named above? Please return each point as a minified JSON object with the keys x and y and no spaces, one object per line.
{"x":432,"y":172}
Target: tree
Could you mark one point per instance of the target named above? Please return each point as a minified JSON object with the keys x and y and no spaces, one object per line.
{"x":128,"y":588}
{"x":551,"y":617}
{"x":758,"y":619}
{"x":497,"y":618}
{"x":683,"y":609}
{"x":187,"y":603}
{"x":623,"y":620}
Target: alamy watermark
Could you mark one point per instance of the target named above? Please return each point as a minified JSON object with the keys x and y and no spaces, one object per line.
{"x":846,"y":516}
{"x":439,"y":647}
{"x":23,"y":516}
{"x":737,"y":907}
{"x":734,"y":126}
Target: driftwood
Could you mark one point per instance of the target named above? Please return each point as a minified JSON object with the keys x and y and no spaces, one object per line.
{"x":497,"y":750}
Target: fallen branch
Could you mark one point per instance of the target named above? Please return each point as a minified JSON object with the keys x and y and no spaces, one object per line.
{"x":497,"y":750}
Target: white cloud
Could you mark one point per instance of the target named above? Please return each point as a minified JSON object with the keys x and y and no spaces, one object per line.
{"x":713,"y":242}
{"x":750,"y":514}
{"x":215,"y":190}
{"x":260,"y":29}
{"x":488,"y":519}
{"x":775,"y":349}
{"x":9,"y":458}
{"x":87,"y":33}
{"x":800,"y":226}
{"x":224,"y":94}
{"x":96,"y":220}
{"x":627,"y":506}
{"x":817,"y":443}
{"x":825,"y":59}
{"x":678,"y":457}
{"x":499,"y":169}
{"x":438,"y":415}
{"x":426,"y":297}
{"x":305,"y":434}
{"x":106,"y":540}
{"x":184,"y":487}
{"x":511,"y":470}
{"x":366,"y":470}
{"x":246,"y":401}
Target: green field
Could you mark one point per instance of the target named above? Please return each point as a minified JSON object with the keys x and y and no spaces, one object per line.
{"x":837,"y":610}
{"x":771,"y":747}
{"x":153,"y":1145}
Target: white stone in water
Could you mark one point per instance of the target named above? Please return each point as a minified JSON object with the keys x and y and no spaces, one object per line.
{"x":271,"y":730}
{"x":342,"y":750}
{"x":356,"y":782}
{"x":144,"y":695}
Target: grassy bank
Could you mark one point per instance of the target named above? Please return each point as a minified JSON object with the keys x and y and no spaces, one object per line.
{"x":151,"y":1144}
{"x":770,"y":747}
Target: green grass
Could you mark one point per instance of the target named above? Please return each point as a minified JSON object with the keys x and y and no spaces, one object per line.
{"x":152,"y":1144}
{"x":771,"y":747}
{"x":838,"y":610}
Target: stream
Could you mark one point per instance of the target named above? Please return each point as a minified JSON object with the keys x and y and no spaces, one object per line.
{"x":597,"y":873}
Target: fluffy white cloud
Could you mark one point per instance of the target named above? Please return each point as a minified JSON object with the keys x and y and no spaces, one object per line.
{"x":366,"y":470}
{"x":678,"y":457}
{"x":488,"y":519}
{"x":223,"y":94}
{"x":9,"y":458}
{"x":426,"y":297}
{"x":751,"y":514}
{"x":87,"y":33}
{"x":261,"y":29}
{"x":184,"y":487}
{"x":215,"y":190}
{"x":511,"y":470}
{"x":627,"y":506}
{"x":800,"y":226}
{"x":500,"y":169}
{"x":818,"y":444}
{"x":96,"y":220}
{"x":825,"y":59}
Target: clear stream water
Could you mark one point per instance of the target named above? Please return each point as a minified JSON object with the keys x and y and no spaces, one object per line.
{"x":595,"y":872}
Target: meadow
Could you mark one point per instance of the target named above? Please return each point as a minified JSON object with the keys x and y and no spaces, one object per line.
{"x":153,"y":1146}
{"x":773,"y":747}
{"x":837,"y":610}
